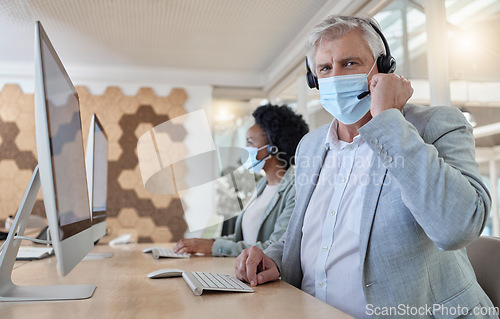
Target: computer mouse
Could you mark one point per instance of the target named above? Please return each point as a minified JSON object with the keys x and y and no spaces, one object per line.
{"x":121,"y":240}
{"x":165,"y":273}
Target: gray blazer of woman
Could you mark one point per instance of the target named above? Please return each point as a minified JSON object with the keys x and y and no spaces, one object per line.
{"x":273,"y":222}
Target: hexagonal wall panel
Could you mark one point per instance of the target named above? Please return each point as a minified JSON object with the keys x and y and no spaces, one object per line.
{"x":129,"y":179}
{"x":162,"y":234}
{"x":130,"y":208}
{"x":145,"y":227}
{"x":128,"y":217}
{"x":10,"y":93}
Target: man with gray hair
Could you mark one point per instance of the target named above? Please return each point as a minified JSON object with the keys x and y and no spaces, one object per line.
{"x":387,"y":196}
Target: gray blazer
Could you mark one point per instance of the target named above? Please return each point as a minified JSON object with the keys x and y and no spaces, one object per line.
{"x":427,"y":202}
{"x":273,"y":222}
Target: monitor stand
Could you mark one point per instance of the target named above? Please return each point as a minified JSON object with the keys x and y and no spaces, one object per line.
{"x":11,"y":292}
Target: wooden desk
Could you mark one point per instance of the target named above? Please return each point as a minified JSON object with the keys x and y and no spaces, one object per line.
{"x":124,"y":291}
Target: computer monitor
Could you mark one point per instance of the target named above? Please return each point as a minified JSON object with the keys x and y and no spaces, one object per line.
{"x":61,"y":174}
{"x":60,"y":157}
{"x":96,"y":163}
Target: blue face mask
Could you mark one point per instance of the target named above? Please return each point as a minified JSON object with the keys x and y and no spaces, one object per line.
{"x":252,"y":163}
{"x":339,"y":96}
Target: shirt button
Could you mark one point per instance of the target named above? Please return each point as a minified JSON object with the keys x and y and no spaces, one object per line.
{"x":325,"y":248}
{"x":342,"y":180}
{"x":332,"y":213}
{"x":320,"y":284}
{"x":351,"y":148}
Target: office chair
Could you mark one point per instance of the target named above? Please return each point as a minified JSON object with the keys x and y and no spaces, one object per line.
{"x":484,"y":255}
{"x":228,"y":226}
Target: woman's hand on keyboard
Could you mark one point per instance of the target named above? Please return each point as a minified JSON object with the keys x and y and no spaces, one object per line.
{"x":194,"y":245}
{"x":255,"y":267}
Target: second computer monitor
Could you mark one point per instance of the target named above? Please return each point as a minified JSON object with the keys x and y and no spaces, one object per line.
{"x":96,"y":161}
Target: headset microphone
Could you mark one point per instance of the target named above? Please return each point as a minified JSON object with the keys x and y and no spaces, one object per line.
{"x":260,"y":160}
{"x":271,"y":150}
{"x":362,"y":95}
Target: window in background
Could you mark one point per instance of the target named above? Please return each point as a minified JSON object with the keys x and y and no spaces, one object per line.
{"x":231,"y":122}
{"x":473,"y":60}
{"x":403,"y":25}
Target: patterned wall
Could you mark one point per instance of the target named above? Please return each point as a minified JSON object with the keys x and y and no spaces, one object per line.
{"x":131,"y":209}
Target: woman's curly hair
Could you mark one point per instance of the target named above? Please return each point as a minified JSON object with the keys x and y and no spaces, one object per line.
{"x":284,"y":129}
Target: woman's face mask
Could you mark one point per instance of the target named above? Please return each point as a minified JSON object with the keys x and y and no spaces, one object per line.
{"x":252,"y":163}
{"x":339,"y":96}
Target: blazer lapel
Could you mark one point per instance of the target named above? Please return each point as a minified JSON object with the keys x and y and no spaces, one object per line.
{"x":377,"y":178}
{"x":309,"y":162}
{"x":289,"y":175}
{"x":307,"y":175}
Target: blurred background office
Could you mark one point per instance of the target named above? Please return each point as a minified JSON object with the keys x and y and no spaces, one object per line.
{"x":138,"y":64}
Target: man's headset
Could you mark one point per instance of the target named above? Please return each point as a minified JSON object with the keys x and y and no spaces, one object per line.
{"x":385,"y":62}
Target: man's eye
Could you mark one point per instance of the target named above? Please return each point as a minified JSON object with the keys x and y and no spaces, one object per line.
{"x":350,"y":63}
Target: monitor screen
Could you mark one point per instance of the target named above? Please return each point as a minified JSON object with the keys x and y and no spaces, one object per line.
{"x":66,"y":143}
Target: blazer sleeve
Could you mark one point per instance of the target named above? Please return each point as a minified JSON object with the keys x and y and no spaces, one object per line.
{"x":275,"y":251}
{"x":227,"y":246}
{"x":437,"y":174}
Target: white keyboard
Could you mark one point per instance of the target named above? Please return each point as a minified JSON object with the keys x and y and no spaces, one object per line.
{"x":167,"y":253}
{"x":200,"y":281}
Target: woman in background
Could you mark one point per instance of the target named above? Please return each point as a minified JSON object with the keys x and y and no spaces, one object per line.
{"x":271,"y":144}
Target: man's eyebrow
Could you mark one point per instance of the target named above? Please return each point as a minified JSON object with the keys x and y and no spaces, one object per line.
{"x":350,"y":58}
{"x":342,"y":61}
{"x":322,"y":65}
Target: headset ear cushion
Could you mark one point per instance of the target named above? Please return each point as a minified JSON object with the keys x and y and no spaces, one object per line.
{"x":392,"y":64}
{"x":386,"y":64}
{"x":312,"y":80}
{"x":381,"y":63}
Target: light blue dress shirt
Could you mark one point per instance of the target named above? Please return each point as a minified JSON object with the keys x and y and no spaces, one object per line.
{"x":330,"y":242}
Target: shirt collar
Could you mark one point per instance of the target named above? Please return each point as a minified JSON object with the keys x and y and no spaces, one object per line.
{"x":332,"y":139}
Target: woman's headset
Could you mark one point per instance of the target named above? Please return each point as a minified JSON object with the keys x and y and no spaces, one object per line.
{"x":385,"y":62}
{"x":271,"y":148}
